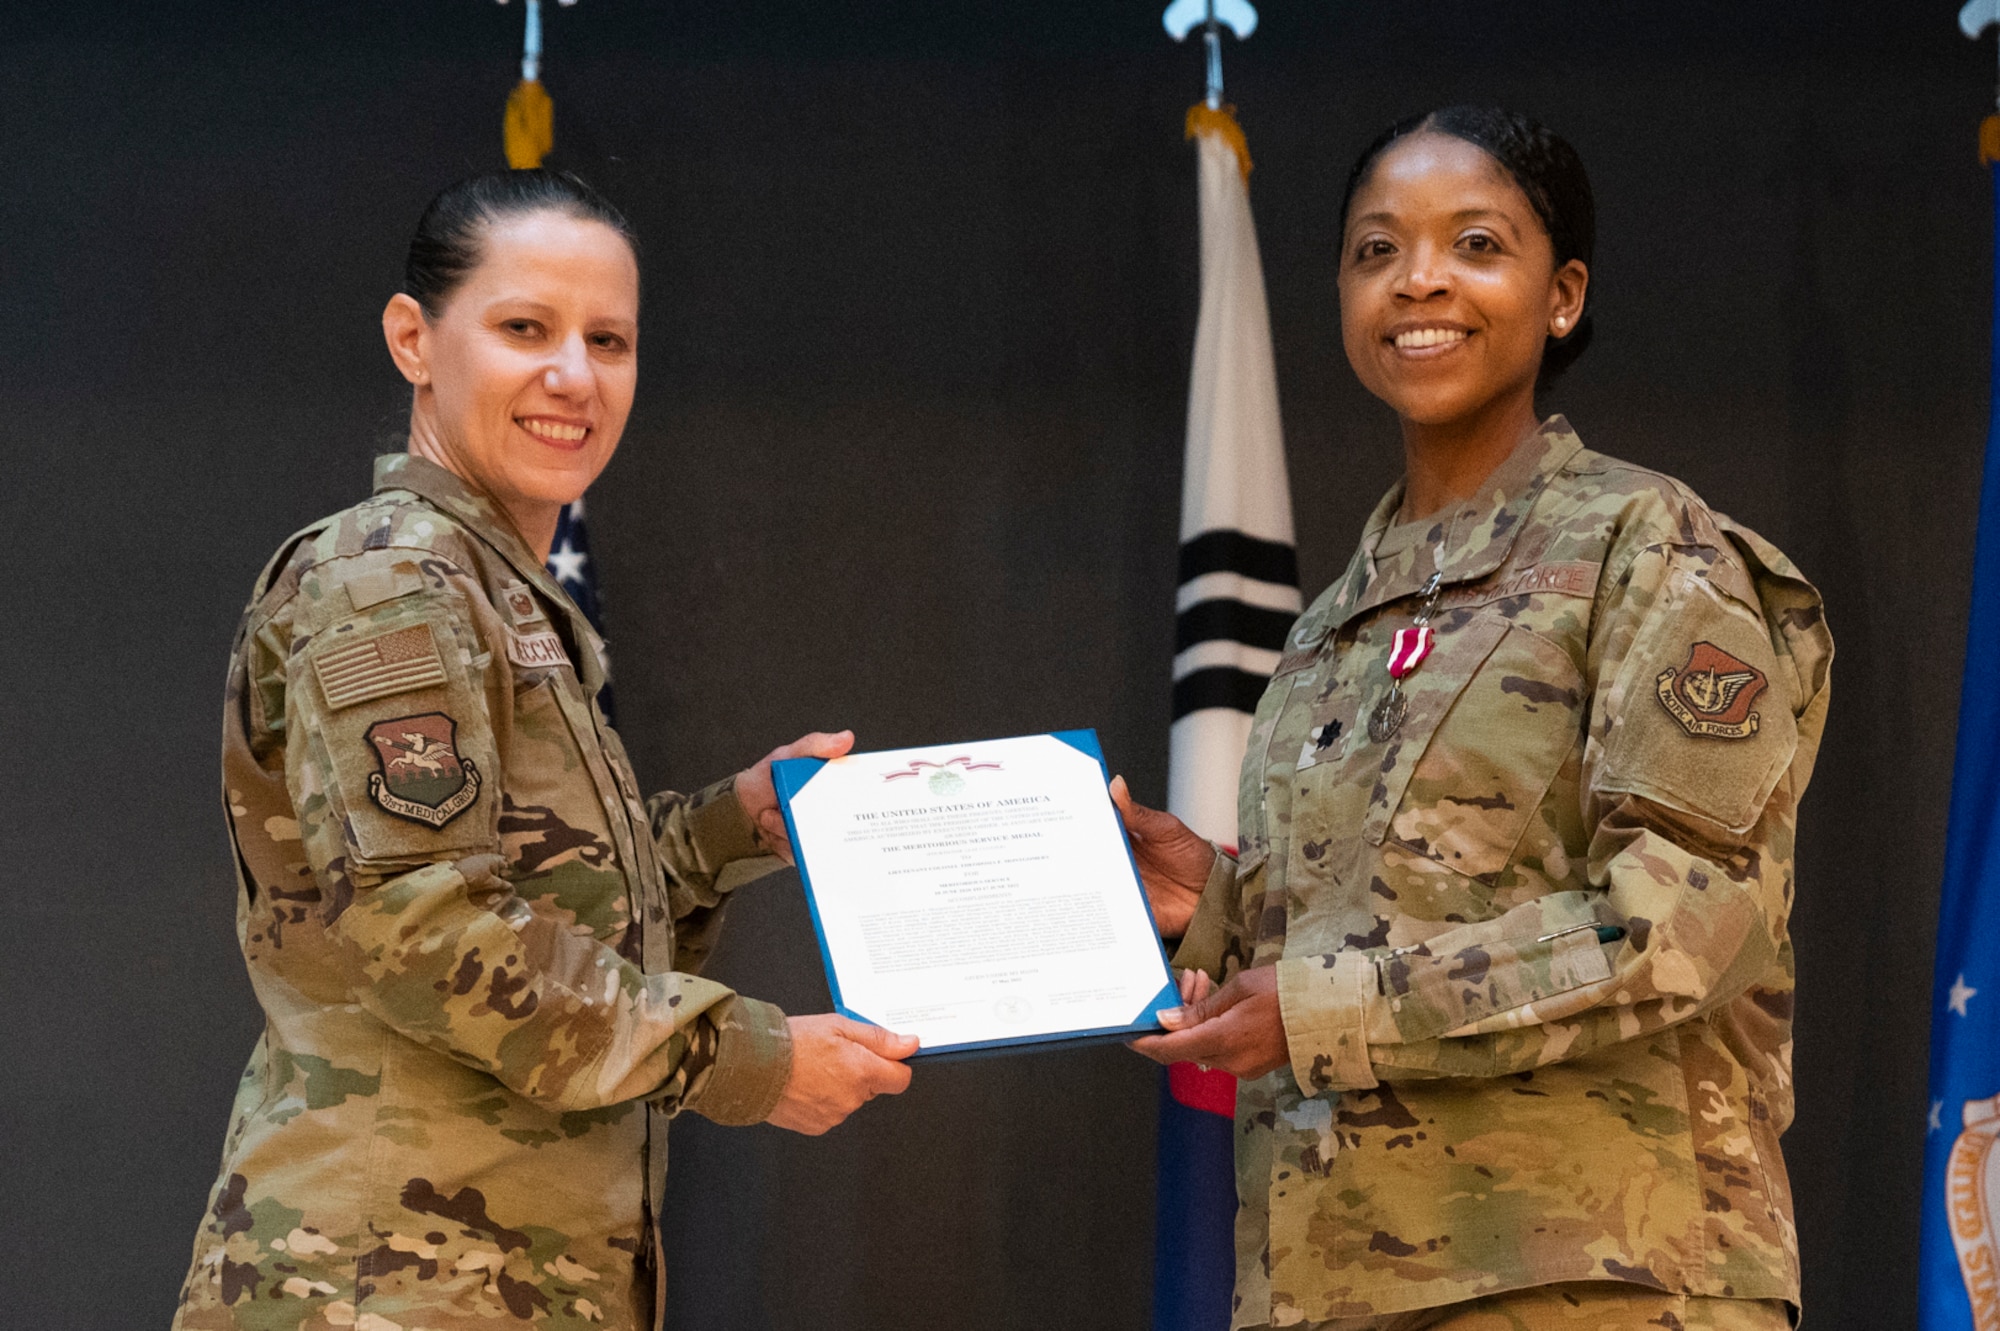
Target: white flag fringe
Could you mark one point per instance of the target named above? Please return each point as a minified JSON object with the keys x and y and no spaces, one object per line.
{"x":1239,"y":582}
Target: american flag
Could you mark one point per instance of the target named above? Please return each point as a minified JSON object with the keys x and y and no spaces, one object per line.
{"x":570,"y":564}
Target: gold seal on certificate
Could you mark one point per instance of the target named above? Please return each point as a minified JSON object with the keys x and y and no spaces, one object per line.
{"x":977,"y":895}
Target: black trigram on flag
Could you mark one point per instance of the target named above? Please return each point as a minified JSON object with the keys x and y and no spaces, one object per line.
{"x":1237,"y":600}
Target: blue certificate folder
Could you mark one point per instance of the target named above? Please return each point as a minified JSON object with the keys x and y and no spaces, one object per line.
{"x":791,"y":775}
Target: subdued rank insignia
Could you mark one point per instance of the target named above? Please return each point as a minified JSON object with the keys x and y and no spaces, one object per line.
{"x":1711,"y":695}
{"x":423,"y":777}
{"x":520,"y":604}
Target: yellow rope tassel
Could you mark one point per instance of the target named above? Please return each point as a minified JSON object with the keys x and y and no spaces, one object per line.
{"x":1205,"y":119}
{"x":530,"y":125}
{"x":1989,"y":140}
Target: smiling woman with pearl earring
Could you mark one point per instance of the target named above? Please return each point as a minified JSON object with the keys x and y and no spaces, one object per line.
{"x":1502,"y":957}
{"x":474,"y":941}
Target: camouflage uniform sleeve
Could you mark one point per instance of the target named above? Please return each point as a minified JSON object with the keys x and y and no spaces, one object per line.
{"x":1216,"y":923}
{"x":1703,"y":726}
{"x":392,"y":694}
{"x":708,"y":848}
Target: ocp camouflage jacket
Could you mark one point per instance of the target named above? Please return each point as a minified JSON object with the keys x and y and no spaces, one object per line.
{"x":1531,"y":946}
{"x":472,"y":939}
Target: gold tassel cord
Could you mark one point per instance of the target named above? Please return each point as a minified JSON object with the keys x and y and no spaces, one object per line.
{"x":530,"y":126}
{"x":1205,"y":119}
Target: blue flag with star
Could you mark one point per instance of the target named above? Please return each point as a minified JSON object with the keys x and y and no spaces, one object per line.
{"x":1960,"y":1276}
{"x":570,"y":565}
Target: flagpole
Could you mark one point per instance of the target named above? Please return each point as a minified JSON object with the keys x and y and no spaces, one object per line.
{"x":528,"y":130}
{"x":1959,"y":1256}
{"x":1236,"y":598}
{"x":1211,"y":38}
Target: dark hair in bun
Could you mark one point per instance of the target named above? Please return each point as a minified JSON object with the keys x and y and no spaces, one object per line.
{"x":1548,"y":171}
{"x":450,"y":239}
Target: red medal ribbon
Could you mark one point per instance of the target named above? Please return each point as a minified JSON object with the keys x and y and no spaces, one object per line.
{"x":1409,"y":650}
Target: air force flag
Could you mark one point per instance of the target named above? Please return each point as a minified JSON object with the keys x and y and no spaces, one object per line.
{"x":1960,"y":1275}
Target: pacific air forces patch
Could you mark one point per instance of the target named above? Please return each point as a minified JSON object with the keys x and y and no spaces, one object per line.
{"x":423,"y":776}
{"x":1711,"y":695}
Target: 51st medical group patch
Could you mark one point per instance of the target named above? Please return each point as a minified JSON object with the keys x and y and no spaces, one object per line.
{"x":423,"y":777}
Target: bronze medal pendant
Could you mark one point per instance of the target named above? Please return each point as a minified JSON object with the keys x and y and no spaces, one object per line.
{"x":1406,"y":653}
{"x":1387,"y":718}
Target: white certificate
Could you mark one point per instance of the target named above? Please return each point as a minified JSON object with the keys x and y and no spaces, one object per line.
{"x":977,"y":895}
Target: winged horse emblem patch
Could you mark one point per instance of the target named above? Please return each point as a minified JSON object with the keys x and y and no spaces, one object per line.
{"x":424,"y":778}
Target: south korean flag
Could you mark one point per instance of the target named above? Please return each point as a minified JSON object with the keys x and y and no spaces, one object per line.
{"x":1239,"y":578}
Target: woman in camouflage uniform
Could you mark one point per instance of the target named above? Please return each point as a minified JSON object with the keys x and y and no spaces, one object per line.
{"x":1502,"y":958}
{"x":473,"y":940}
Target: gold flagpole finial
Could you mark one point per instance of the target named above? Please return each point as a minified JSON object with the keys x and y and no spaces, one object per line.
{"x":528,"y":130}
{"x":1212,"y":115}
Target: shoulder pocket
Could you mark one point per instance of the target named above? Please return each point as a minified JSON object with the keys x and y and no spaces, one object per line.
{"x":1695,"y":722}
{"x":1480,"y":747}
{"x":403,"y":735}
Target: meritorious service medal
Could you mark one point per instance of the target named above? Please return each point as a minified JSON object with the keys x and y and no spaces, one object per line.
{"x":1406,"y":653}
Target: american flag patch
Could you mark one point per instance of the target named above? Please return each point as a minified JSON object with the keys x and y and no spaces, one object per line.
{"x":376,"y":667}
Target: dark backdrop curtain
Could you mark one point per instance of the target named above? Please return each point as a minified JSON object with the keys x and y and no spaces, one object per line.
{"x":920,"y":298}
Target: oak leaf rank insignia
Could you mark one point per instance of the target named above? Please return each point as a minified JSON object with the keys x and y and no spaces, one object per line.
{"x":520,"y":604}
{"x":1711,"y":695}
{"x":424,"y":778}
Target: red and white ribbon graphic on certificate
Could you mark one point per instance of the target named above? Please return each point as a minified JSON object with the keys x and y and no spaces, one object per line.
{"x":1409,"y":650}
{"x":918,"y":767}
